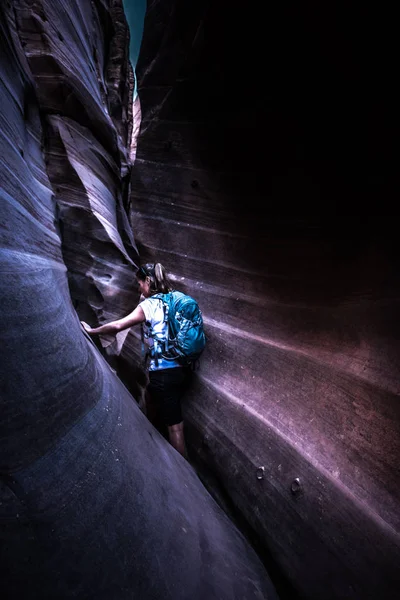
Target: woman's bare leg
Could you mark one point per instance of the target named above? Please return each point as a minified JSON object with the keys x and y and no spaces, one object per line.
{"x":177,"y":439}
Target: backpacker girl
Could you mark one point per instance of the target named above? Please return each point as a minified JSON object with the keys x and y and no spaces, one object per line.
{"x":173,"y":332}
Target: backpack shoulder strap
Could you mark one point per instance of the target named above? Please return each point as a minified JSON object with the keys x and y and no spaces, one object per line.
{"x":154,"y":350}
{"x":166,"y":304}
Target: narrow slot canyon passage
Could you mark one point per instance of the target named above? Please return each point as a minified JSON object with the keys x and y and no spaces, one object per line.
{"x":251,"y":150}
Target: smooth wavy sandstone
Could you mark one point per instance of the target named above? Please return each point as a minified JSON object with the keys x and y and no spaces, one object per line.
{"x":94,"y":502}
{"x":78,"y":56}
{"x":261,"y":150}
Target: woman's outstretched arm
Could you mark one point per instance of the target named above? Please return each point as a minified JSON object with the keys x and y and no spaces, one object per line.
{"x":134,"y":318}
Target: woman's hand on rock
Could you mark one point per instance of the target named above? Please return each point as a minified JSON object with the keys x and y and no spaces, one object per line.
{"x":86,"y":327}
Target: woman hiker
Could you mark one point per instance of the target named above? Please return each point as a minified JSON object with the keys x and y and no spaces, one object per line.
{"x":167,"y":377}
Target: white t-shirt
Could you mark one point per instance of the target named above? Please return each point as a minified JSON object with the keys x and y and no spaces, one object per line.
{"x":153,"y":309}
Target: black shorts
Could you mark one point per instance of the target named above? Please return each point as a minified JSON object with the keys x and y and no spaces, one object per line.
{"x":166,"y":389}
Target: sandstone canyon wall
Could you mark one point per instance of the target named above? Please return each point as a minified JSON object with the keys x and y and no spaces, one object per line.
{"x":264,"y":179}
{"x":94,"y":504}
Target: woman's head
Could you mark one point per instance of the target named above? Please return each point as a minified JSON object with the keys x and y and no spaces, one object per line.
{"x":153,"y":279}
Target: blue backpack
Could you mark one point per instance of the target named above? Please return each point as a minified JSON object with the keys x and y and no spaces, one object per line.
{"x":186,"y":338}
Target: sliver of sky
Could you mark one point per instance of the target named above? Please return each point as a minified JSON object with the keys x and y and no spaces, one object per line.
{"x":135,"y":11}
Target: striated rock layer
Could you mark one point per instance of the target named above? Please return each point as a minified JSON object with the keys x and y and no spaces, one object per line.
{"x":78,"y":56}
{"x":263,"y":181}
{"x":94,"y":503}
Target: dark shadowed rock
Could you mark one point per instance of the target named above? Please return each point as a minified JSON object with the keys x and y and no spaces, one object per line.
{"x":264,"y":175}
{"x":95,"y":504}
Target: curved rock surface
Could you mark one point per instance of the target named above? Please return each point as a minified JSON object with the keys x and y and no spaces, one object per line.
{"x":263,"y":180}
{"x":94,"y":502}
{"x":78,"y":56}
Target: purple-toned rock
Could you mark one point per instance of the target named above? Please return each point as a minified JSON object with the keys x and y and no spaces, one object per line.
{"x":264,"y":141}
{"x":94,"y":503}
{"x":78,"y":56}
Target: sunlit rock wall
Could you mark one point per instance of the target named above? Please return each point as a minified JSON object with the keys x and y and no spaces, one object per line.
{"x":264,"y":178}
{"x":94,"y":503}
